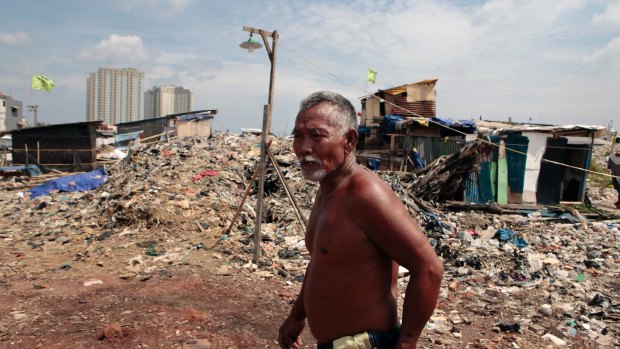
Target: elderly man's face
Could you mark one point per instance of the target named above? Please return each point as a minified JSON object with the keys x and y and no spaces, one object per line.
{"x":317,"y":142}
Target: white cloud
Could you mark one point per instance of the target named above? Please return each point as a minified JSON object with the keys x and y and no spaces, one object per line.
{"x":14,"y":39}
{"x":609,"y":54}
{"x":166,"y":8}
{"x":116,"y":48}
{"x":611,"y":16}
{"x":496,"y":58}
{"x":178,"y":6}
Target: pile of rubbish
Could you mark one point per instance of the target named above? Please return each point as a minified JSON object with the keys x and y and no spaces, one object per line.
{"x":538,"y":277}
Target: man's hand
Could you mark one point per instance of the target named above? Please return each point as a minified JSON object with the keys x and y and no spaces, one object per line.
{"x":290,"y":330}
{"x":405,"y":342}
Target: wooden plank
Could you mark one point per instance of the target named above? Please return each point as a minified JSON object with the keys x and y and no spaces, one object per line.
{"x":494,"y":178}
{"x":502,"y":175}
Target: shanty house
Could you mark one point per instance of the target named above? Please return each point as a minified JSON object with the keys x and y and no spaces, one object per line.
{"x":66,"y":147}
{"x":533,"y":164}
{"x":194,"y":123}
{"x":400,"y":124}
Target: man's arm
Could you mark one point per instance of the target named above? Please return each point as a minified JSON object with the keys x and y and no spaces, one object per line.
{"x":420,"y":300}
{"x":388,"y":224}
{"x":288,"y":336}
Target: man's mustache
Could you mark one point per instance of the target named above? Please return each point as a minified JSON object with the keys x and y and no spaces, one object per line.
{"x":309,"y":159}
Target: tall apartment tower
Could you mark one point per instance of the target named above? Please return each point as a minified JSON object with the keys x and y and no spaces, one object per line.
{"x":115,"y":95}
{"x":165,"y":100}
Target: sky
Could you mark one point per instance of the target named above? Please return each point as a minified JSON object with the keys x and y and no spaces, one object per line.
{"x":551,"y":62}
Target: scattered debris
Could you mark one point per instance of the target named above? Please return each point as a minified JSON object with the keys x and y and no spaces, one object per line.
{"x":528,"y":272}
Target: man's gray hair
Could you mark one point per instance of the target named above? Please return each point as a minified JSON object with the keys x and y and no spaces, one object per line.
{"x":343,"y":110}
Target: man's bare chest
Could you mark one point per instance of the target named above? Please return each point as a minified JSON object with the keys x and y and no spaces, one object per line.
{"x":333,"y":231}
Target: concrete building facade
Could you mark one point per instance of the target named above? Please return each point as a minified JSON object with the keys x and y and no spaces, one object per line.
{"x":115,"y":95}
{"x":166,"y":100}
{"x":11,"y":113}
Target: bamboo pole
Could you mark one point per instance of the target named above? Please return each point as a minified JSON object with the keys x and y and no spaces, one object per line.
{"x":38,"y":153}
{"x":287,"y":190}
{"x":391,"y":152}
{"x":245,"y":195}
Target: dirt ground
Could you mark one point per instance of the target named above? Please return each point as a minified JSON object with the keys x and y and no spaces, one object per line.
{"x":185,"y":306}
{"x":86,"y":305}
{"x":188,"y":306}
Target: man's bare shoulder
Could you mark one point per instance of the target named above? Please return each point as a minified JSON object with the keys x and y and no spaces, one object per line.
{"x":367,"y":187}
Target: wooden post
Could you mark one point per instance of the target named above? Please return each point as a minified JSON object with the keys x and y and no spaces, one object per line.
{"x":391,"y":151}
{"x":26,"y":148}
{"x":38,"y":154}
{"x":261,"y":184}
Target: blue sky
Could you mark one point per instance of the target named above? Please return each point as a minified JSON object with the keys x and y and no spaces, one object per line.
{"x":551,"y":61}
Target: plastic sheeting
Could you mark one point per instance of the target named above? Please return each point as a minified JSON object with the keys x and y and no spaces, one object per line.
{"x":373,"y":163}
{"x":79,"y":182}
{"x":388,"y":124}
{"x":510,"y":236}
{"x":468,"y":126}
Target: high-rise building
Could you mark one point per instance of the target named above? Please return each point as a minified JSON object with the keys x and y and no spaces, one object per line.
{"x":115,"y":95}
{"x":165,"y":100}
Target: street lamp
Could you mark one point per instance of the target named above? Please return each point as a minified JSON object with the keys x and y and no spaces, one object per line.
{"x":251,"y":45}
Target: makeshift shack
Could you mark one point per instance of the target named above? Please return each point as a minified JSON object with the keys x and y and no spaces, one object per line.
{"x":399,"y":129}
{"x":66,"y":147}
{"x":195,"y":124}
{"x":189,"y":124}
{"x":533,"y":164}
{"x":152,"y":130}
{"x":5,"y":150}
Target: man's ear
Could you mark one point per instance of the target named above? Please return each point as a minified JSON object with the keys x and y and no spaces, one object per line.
{"x":351,"y":137}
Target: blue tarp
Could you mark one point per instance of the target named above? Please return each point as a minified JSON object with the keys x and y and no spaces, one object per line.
{"x":363,"y":130}
{"x":373,"y":163}
{"x":443,"y":121}
{"x":417,"y":161}
{"x":196,"y":116}
{"x":79,"y":182}
{"x":122,"y":140}
{"x":467,"y":125}
{"x":508,"y":235}
{"x":388,"y":124}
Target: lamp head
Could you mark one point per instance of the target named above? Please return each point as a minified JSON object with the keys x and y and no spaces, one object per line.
{"x":250,"y":44}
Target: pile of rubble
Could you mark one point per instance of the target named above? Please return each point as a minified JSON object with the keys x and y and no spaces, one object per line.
{"x":165,"y":193}
{"x":538,"y":278}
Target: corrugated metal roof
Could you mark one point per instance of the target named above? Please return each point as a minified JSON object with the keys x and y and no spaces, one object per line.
{"x":487,"y":126}
{"x":403,"y":88}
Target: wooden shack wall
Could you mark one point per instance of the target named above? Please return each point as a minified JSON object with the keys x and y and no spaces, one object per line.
{"x":64,"y":147}
{"x":150,"y":127}
{"x":194,"y":128}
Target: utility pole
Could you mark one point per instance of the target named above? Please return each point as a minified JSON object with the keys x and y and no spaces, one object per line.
{"x":35,"y":109}
{"x":267,"y":109}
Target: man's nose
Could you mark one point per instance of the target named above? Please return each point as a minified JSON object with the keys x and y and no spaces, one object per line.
{"x":302,"y":147}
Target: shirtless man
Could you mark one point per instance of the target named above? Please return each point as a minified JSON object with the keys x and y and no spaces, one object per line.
{"x":358,"y":233}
